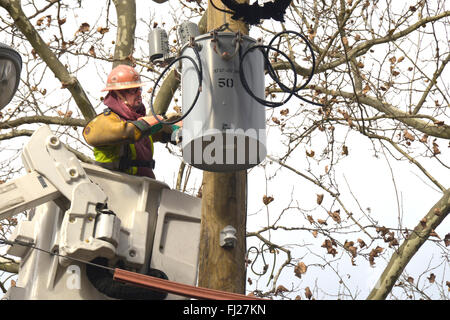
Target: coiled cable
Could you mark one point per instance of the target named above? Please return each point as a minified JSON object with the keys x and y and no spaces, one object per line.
{"x":311,"y":74}
{"x":267,"y":103}
{"x":271,"y":71}
{"x":264,"y":49}
{"x":199,"y":71}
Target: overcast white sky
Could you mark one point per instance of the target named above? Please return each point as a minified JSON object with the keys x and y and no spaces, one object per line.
{"x":376,"y":183}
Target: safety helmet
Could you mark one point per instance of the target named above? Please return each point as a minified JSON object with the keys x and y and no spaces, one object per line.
{"x":123,"y":77}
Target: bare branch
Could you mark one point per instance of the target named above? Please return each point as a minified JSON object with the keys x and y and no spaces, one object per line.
{"x":405,"y":154}
{"x":9,"y":266}
{"x":440,"y":131}
{"x":431,"y":84}
{"x":126,"y":24}
{"x":67,"y":80}
{"x":410,"y":247}
{"x":66,"y":121}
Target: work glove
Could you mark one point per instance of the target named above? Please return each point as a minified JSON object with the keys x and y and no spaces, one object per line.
{"x":170,"y":117}
{"x":148,"y":125}
{"x":175,"y":135}
{"x":168,"y":133}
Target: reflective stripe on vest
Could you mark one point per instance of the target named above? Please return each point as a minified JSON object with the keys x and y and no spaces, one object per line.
{"x":109,"y":157}
{"x":132,"y":170}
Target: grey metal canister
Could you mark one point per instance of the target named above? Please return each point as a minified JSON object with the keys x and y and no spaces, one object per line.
{"x":226,"y":129}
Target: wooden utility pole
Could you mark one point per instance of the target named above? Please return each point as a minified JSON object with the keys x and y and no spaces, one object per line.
{"x":224,"y":202}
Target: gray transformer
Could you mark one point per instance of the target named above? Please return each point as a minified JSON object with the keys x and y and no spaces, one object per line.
{"x":226,"y":129}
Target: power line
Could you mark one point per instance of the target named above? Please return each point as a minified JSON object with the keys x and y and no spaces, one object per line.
{"x":54,"y":253}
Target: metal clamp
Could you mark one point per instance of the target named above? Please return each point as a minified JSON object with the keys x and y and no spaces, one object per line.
{"x":226,"y":55}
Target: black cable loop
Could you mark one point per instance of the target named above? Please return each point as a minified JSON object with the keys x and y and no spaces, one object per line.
{"x":198,"y":68}
{"x":254,"y":260}
{"x":308,"y":80}
{"x":271,"y":70}
{"x":264,"y":49}
{"x":292,"y":91}
{"x":267,"y":103}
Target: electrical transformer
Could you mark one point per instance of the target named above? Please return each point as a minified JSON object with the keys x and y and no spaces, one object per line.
{"x":225,"y":130}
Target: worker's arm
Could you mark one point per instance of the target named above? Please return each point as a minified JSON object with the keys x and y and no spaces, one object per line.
{"x":165,"y":132}
{"x":108,"y":129}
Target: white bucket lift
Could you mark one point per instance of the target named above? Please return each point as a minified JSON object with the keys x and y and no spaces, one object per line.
{"x":145,"y":225}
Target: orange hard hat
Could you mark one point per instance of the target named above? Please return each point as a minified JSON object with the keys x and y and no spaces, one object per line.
{"x":123,"y":77}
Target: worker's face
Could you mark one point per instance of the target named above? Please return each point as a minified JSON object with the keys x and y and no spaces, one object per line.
{"x":132,"y":97}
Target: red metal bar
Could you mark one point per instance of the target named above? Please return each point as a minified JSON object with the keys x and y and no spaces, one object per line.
{"x":176,"y":287}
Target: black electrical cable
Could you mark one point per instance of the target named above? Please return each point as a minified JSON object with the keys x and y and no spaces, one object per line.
{"x":271,"y":70}
{"x":219,"y":9}
{"x":311,"y":74}
{"x":53,"y":253}
{"x":198,"y":69}
{"x":265,"y":49}
{"x":267,"y":103}
{"x":292,"y":91}
{"x":271,"y":13}
{"x":256,"y":257}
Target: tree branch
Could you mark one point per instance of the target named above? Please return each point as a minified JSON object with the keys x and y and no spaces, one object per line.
{"x":431,"y":84}
{"x":16,"y":133}
{"x":411,"y":159}
{"x":166,"y":92}
{"x":126,"y":25}
{"x":9,"y":266}
{"x":440,"y":131}
{"x":410,"y":247}
{"x":68,"y":81}
{"x":43,"y":119}
{"x":27,"y":133}
{"x":180,"y":175}
{"x":361,"y":48}
{"x":334,"y":195}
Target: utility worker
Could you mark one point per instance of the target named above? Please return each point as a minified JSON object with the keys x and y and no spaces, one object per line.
{"x":123,"y":136}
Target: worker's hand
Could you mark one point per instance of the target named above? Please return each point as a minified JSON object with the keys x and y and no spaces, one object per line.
{"x":170,"y":117}
{"x":151,"y":120}
{"x":160,"y":132}
{"x":175,"y":137}
{"x":168,"y":132}
{"x":148,"y":125}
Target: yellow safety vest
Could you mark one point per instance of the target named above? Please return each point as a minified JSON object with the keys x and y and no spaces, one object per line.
{"x":110,"y":157}
{"x":108,"y":134}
